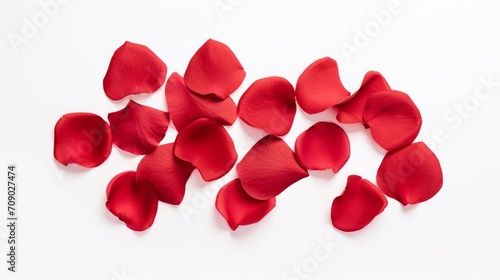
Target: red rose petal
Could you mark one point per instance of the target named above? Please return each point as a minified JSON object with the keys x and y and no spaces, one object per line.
{"x":133,"y":69}
{"x":269,"y":168}
{"x":358,"y":205}
{"x":410,"y":175}
{"x":138,"y":129}
{"x":214,"y":69}
{"x":393,"y":119}
{"x":269,"y":104}
{"x":134,"y":204}
{"x":238,"y":208}
{"x":324,"y":145}
{"x":166,"y":173}
{"x":82,"y":138}
{"x":207,"y":145}
{"x":351,"y":109}
{"x":319,"y":86}
{"x":185,"y":106}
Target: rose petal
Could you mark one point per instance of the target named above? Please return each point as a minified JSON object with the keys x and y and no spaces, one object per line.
{"x":133,"y":69}
{"x":166,"y":173}
{"x":134,"y":204}
{"x":410,"y":175}
{"x":207,"y":145}
{"x":185,"y":106}
{"x":269,"y":168}
{"x":138,"y":129}
{"x":393,"y":119}
{"x":238,"y":208}
{"x":324,"y":145}
{"x":351,"y":109}
{"x":269,"y":104}
{"x":319,"y":86}
{"x":358,"y":205}
{"x":214,"y":69}
{"x":82,"y":138}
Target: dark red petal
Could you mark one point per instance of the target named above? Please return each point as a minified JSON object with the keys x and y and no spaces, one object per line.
{"x":133,"y":204}
{"x":269,"y":104}
{"x":185,"y":106}
{"x":410,"y":175}
{"x":393,"y":119}
{"x":82,"y":138}
{"x":269,"y":168}
{"x":324,"y":145}
{"x":166,"y":173}
{"x":319,"y":86}
{"x":358,"y":205}
{"x":214,"y":69}
{"x":138,"y":129}
{"x":351,"y":109}
{"x":133,"y":69}
{"x":238,"y":208}
{"x":207,"y":145}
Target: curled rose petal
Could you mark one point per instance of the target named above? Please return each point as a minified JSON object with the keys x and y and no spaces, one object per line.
{"x":138,"y":129}
{"x":166,"y":173}
{"x":214,"y":69}
{"x":324,"y":145}
{"x":269,"y":168}
{"x":238,"y":208}
{"x":133,"y":69}
{"x":358,"y":205}
{"x":185,"y":106}
{"x":319,"y":86}
{"x":393,"y":119}
{"x":134,"y":204}
{"x":207,"y":145}
{"x":351,"y":109}
{"x":82,"y":138}
{"x":410,"y":175}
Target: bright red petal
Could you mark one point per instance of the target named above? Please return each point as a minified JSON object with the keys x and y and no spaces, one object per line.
{"x":410,"y":175}
{"x":207,"y":145}
{"x":133,"y":69}
{"x":238,"y":208}
{"x":134,"y":204}
{"x":138,"y":129}
{"x":393,"y":119}
{"x":319,"y":86}
{"x":269,"y":168}
{"x":269,"y":104}
{"x":185,"y":106}
{"x":358,"y":205}
{"x":82,"y":138}
{"x":214,"y":69}
{"x":324,"y":145}
{"x":351,"y":109}
{"x":166,"y":173}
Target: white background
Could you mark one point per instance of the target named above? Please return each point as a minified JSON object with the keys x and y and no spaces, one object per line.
{"x":436,"y":51}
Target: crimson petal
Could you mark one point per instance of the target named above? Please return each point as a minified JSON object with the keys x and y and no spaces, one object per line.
{"x":358,"y":205}
{"x":410,"y":175}
{"x":185,"y":106}
{"x":133,"y":69}
{"x":134,"y":204}
{"x":207,"y":145}
{"x":82,"y":138}
{"x":393,"y":119}
{"x":269,"y":168}
{"x":319,"y":86}
{"x":214,"y":69}
{"x":138,"y":129}
{"x":166,"y":173}
{"x":238,"y":208}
